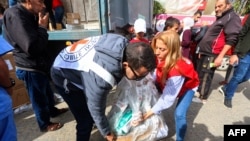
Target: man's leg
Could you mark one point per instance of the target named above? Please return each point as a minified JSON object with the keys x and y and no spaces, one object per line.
{"x":241,"y":74}
{"x":78,"y":106}
{"x":36,"y":87}
{"x":206,"y":73}
{"x":75,"y":98}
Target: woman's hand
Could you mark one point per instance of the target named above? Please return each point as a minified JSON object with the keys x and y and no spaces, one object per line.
{"x":147,"y":114}
{"x":137,"y":118}
{"x":111,"y":137}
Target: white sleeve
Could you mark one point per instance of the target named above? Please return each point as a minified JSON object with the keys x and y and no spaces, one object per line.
{"x":170,"y":92}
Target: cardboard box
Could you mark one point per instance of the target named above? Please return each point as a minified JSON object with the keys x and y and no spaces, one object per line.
{"x":19,"y":97}
{"x":9,"y":59}
{"x":73,"y":21}
{"x":73,"y":16}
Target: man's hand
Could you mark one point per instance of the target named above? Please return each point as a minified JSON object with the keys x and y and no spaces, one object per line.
{"x":218,"y":61}
{"x":43,"y":19}
{"x":233,"y":60}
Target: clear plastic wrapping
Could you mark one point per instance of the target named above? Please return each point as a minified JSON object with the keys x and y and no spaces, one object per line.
{"x":133,"y":99}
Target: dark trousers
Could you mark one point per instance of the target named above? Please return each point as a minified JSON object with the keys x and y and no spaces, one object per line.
{"x":59,"y":13}
{"x":206,"y":74}
{"x":40,"y":94}
{"x":76,"y":100}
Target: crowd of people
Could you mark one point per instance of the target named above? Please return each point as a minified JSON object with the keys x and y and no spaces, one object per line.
{"x":182,"y":66}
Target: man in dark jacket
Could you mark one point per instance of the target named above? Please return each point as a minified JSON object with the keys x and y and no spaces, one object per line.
{"x":218,"y":40}
{"x":86,"y":71}
{"x":241,"y":60}
{"x":25,"y":28}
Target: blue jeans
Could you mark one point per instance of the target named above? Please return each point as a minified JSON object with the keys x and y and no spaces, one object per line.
{"x":182,"y":106}
{"x":40,"y":94}
{"x":241,"y":74}
{"x":59,"y":13}
{"x":12,"y":3}
{"x":76,"y":100}
{"x":8,"y":130}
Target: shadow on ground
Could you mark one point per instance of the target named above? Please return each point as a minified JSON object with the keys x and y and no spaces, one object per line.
{"x":27,"y":127}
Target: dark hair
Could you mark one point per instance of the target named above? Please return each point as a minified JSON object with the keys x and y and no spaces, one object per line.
{"x":140,"y":54}
{"x":21,"y":1}
{"x":2,"y":9}
{"x":170,"y":22}
{"x":198,"y":12}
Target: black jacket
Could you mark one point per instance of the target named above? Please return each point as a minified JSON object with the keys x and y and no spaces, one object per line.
{"x":223,"y":31}
{"x":243,"y":46}
{"x":22,"y":31}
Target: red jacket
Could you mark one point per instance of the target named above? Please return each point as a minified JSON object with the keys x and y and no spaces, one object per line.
{"x":56,"y":3}
{"x":135,"y":40}
{"x":184,"y":67}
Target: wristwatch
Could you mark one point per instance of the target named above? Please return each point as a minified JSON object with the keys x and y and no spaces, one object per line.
{"x":12,"y":83}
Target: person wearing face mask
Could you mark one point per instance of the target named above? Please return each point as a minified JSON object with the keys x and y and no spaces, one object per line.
{"x":220,"y":37}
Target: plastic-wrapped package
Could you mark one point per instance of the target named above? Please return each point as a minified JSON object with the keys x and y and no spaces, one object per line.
{"x":133,"y":99}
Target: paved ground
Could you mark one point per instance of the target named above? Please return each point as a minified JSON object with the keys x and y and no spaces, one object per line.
{"x":205,"y":121}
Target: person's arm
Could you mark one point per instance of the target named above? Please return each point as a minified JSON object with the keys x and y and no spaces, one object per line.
{"x":170,"y":92}
{"x":186,"y":39}
{"x":32,"y":39}
{"x":239,"y":48}
{"x":4,"y":76}
{"x":96,"y":91}
{"x":231,"y":30}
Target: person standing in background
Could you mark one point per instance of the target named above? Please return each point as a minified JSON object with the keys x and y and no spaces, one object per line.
{"x":2,"y":9}
{"x":48,"y":5}
{"x":186,"y":36}
{"x":172,"y":23}
{"x":58,"y":8}
{"x":25,"y":28}
{"x":8,"y":130}
{"x":219,"y":38}
{"x":241,"y":60}
{"x":140,"y":31}
{"x":197,"y":16}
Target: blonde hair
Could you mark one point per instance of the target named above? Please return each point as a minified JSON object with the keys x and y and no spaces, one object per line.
{"x":172,"y":40}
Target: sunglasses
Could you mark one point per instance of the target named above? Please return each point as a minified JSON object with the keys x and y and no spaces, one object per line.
{"x":137,"y":78}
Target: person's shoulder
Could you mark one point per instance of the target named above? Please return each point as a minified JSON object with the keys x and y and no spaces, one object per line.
{"x":185,"y":63}
{"x":5,"y":46}
{"x":14,"y":9}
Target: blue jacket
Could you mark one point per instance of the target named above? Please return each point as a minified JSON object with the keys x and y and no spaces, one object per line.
{"x":109,"y":51}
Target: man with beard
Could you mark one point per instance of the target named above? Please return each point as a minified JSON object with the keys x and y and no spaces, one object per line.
{"x":220,"y":37}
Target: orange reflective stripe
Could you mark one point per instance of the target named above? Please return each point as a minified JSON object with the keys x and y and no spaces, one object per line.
{"x":73,"y":47}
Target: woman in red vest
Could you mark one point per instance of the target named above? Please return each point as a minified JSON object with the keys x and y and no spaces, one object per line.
{"x":176,"y":79}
